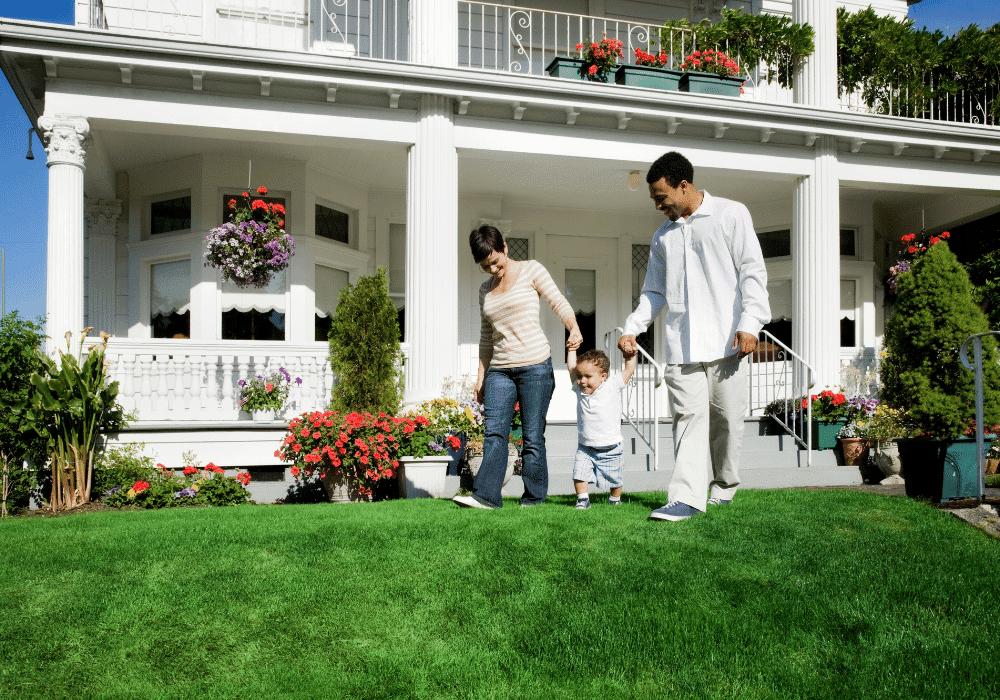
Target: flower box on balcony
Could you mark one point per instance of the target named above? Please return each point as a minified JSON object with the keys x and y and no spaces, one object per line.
{"x":565,"y":67}
{"x":711,"y":84}
{"x":648,"y":77}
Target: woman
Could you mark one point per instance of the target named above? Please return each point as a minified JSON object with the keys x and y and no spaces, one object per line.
{"x":515,"y":366}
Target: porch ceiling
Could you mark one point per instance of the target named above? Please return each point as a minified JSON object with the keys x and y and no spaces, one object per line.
{"x":517,"y":178}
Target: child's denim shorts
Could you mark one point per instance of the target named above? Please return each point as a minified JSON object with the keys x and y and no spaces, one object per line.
{"x":600,"y":465}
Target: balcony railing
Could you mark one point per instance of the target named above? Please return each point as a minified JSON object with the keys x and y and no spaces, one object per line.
{"x":491,"y":37}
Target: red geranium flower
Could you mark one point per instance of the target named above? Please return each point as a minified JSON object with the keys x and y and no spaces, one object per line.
{"x":262,"y":190}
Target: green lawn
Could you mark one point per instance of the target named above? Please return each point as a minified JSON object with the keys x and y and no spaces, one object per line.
{"x":783,"y":594}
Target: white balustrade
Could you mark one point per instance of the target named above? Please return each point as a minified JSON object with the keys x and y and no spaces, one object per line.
{"x":180,"y":380}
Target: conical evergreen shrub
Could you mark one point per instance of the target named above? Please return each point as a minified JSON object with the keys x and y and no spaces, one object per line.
{"x":922,"y":373}
{"x":364,"y":348}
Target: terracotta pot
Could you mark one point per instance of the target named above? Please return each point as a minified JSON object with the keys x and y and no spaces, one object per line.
{"x":855,"y":451}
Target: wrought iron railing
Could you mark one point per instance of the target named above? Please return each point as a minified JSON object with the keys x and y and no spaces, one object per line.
{"x":491,"y":37}
{"x":779,"y":379}
{"x":641,"y":402}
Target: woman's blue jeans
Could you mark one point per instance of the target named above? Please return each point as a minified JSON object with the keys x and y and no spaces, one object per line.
{"x":503,"y":388}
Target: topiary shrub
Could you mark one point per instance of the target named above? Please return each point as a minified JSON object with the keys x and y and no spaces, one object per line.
{"x":364,"y":348}
{"x":922,"y":373}
{"x":20,"y":341}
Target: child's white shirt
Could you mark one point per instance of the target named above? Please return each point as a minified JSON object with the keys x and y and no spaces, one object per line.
{"x":599,"y":415}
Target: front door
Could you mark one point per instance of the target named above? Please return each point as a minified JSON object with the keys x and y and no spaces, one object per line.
{"x":586,"y":270}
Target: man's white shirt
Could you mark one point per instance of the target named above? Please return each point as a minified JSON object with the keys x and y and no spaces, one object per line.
{"x":706,"y":274}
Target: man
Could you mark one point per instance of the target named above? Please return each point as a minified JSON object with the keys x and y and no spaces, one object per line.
{"x":706,"y":274}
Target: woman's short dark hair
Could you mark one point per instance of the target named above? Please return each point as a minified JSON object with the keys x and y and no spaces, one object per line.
{"x":484,"y":241}
{"x":597,"y":358}
{"x":672,"y":166}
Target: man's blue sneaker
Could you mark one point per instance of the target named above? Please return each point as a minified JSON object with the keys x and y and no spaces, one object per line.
{"x":675,"y":510}
{"x":719,"y":501}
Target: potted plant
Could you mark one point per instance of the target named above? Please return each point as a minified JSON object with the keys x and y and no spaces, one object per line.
{"x":596,"y":61}
{"x":830,"y":412}
{"x":854,"y":444}
{"x":711,"y":72}
{"x":351,"y":453}
{"x":882,"y":430}
{"x":252,"y":245}
{"x":264,"y":396}
{"x":922,"y":372}
{"x":451,"y":418}
{"x":993,"y":457}
{"x":424,"y":459}
{"x":650,"y":70}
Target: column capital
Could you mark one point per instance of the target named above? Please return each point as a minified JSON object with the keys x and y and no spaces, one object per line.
{"x":66,"y":138}
{"x":102,"y":216}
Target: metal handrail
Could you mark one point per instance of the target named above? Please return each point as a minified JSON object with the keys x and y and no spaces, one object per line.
{"x":791,"y":377}
{"x":977,"y":366}
{"x":646,"y":424}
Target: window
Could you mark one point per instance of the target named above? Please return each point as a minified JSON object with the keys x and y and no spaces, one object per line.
{"x":333,"y":224}
{"x":848,"y":313}
{"x":776,"y":244}
{"x":518,"y":248}
{"x":169,"y":215}
{"x":581,"y":293}
{"x":640,"y":258}
{"x":848,"y":243}
{"x":254,"y":314}
{"x":170,"y":299}
{"x":397,"y":273}
{"x":780,"y":296}
{"x":329,"y":282}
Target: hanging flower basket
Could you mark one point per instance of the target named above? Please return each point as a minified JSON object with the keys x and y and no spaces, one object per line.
{"x":253,"y":245}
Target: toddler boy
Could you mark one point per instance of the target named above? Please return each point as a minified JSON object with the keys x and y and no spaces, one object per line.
{"x":599,"y":422}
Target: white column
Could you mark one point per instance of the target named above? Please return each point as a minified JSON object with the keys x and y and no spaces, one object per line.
{"x":431,"y":251}
{"x":102,"y":218}
{"x":816,"y":266}
{"x":816,"y":80}
{"x":66,"y":140}
{"x":434,"y":33}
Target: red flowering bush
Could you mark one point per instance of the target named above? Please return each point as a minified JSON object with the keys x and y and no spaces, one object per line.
{"x":652,"y":60}
{"x":361,"y":447}
{"x":600,"y":58}
{"x":711,"y":61}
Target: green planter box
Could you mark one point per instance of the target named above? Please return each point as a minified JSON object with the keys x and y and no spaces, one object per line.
{"x":711,"y":84}
{"x":940,"y":472}
{"x":565,"y":67}
{"x":824,"y":435}
{"x":649,"y":77}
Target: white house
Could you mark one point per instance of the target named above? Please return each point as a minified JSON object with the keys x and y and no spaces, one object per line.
{"x":390,"y":129}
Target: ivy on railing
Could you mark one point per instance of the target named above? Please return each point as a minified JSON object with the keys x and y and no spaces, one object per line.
{"x":773,"y":41}
{"x":899,"y":70}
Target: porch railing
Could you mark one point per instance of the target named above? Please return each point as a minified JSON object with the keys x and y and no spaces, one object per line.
{"x":170,"y":380}
{"x":641,"y":402}
{"x":491,"y":37}
{"x":778,"y":379}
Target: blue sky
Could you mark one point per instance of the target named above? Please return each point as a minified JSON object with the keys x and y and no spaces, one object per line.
{"x":24,"y":183}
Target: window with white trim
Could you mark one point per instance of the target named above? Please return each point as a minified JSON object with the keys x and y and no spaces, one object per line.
{"x":254,"y":314}
{"x":170,"y":299}
{"x":329,"y":282}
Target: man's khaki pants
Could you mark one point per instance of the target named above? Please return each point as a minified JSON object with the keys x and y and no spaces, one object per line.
{"x":708,"y":401}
